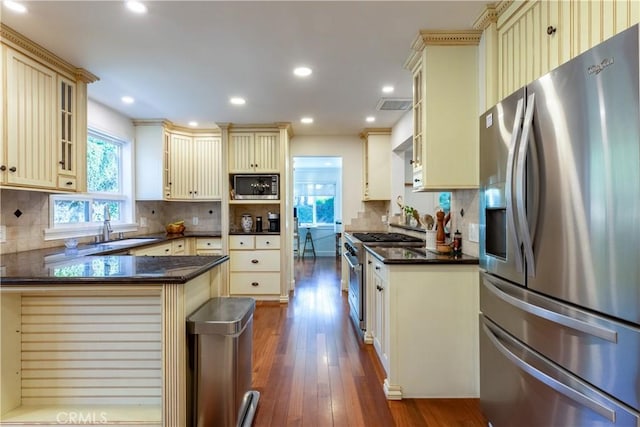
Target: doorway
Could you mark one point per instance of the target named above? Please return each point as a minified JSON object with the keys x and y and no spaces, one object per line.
{"x":317,"y":201}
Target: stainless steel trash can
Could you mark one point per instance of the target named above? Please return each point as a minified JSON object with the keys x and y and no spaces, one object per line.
{"x":220,"y":344}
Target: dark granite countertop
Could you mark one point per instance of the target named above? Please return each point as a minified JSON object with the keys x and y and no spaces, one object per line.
{"x":100,"y":263}
{"x":415,"y":255}
{"x":109,"y":269}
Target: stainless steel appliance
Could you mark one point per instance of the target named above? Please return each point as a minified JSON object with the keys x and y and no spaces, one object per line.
{"x":354,"y":255}
{"x":559,"y":245}
{"x":256,"y":187}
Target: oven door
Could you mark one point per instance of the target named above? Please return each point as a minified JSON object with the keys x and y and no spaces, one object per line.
{"x":355,"y":291}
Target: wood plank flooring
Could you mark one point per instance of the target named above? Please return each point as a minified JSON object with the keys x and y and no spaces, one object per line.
{"x":312,"y":370}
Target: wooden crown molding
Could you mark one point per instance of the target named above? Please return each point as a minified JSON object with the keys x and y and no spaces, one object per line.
{"x":176,"y":128}
{"x":374,"y":131}
{"x":491,"y":13}
{"x":16,"y":40}
{"x":440,"y":38}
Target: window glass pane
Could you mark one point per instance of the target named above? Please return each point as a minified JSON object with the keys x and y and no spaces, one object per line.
{"x":103,"y":165}
{"x":324,"y":210}
{"x":114,"y":207}
{"x":71,"y":211}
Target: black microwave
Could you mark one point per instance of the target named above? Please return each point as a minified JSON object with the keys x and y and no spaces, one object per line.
{"x":256,"y":187}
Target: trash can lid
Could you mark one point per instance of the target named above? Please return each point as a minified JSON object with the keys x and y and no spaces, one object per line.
{"x":222,"y":316}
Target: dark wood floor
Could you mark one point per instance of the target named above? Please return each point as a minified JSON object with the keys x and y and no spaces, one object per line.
{"x":312,"y":370}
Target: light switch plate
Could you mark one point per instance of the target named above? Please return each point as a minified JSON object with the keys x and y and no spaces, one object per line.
{"x":195,"y":220}
{"x":143,"y":221}
{"x":473,"y":233}
{"x":3,"y":233}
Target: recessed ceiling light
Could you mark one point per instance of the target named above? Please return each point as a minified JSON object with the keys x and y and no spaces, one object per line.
{"x":370,"y":119}
{"x":136,"y":6}
{"x":236,"y":100}
{"x":127,"y":100}
{"x":306,"y":120}
{"x":387,"y":89}
{"x":302,"y":71}
{"x":193,"y":124}
{"x":15,"y":6}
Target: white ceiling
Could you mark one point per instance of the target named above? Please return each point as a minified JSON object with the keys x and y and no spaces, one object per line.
{"x":183,"y":59}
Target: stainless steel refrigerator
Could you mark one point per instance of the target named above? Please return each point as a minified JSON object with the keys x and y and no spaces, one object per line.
{"x":560,"y":245}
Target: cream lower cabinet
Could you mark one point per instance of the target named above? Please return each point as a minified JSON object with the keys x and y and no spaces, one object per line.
{"x":425,"y":329}
{"x":254,"y":266}
{"x":208,"y":246}
{"x":161,"y":249}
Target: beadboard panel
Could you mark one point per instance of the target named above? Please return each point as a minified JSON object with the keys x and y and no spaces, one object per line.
{"x":89,"y":350}
{"x":207,"y":161}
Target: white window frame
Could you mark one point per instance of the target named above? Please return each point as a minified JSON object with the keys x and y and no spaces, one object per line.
{"x":85,"y":229}
{"x":314,"y":211}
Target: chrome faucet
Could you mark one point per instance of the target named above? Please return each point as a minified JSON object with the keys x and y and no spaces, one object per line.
{"x":106,"y":227}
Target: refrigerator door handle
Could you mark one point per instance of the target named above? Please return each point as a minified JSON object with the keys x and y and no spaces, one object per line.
{"x":550,"y":315}
{"x":570,"y":393}
{"x":521,"y":168}
{"x":509,"y":193}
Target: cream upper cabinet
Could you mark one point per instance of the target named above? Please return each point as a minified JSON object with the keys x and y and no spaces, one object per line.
{"x":195,"y":165}
{"x":176,"y":164}
{"x":377,"y":164}
{"x":254,"y":152}
{"x":445,"y":110}
{"x":44,"y":124}
{"x":31,"y":122}
{"x":534,"y":37}
{"x":67,"y":135}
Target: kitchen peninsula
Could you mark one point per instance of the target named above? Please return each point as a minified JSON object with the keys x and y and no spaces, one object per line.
{"x":423,"y":317}
{"x":99,"y":339}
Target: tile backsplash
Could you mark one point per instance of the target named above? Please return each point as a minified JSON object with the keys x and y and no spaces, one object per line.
{"x":25,"y":231}
{"x":465,"y":201}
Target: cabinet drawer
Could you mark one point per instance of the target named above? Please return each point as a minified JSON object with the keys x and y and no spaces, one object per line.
{"x":209,"y":243}
{"x":208,"y":251}
{"x":255,"y":283}
{"x":255,"y":260}
{"x":241,"y":242}
{"x":156,"y":250}
{"x":268,"y":242}
{"x":178,"y":247}
{"x":67,"y":182}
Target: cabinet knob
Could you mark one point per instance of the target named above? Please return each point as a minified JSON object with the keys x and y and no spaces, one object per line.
{"x":167,"y":250}
{"x":3,"y":168}
{"x":61,"y":163}
{"x":411,"y":162}
{"x":12,"y":169}
{"x":208,"y":243}
{"x":69,"y":182}
{"x":267,"y":242}
{"x":255,"y":284}
{"x":254,"y":261}
{"x":241,"y":243}
{"x":416,"y":180}
{"x":551,"y":30}
{"x":377,"y":267}
{"x":169,"y":183}
{"x":380,"y":289}
{"x":369,"y":262}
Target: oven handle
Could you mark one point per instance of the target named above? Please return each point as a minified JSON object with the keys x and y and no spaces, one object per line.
{"x":350,"y":258}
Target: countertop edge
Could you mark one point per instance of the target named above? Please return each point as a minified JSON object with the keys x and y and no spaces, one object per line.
{"x":422,"y":260}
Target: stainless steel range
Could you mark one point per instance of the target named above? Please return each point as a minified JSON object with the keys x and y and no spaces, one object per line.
{"x":354,"y":254}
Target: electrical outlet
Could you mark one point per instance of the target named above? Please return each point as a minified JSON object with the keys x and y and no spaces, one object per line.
{"x":195,"y":220}
{"x":143,"y":221}
{"x":3,"y":233}
{"x":474,"y":233}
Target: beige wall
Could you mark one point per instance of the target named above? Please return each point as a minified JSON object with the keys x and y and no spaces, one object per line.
{"x":356,"y":214}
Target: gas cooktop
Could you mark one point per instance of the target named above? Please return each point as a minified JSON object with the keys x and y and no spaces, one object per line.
{"x":385,"y":237}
